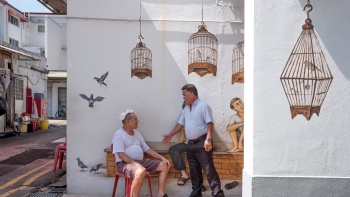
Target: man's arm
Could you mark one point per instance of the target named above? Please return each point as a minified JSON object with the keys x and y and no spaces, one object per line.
{"x":168,"y":137}
{"x":234,"y":126}
{"x":208,"y":144}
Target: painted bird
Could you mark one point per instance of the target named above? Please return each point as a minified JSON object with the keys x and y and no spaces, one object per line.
{"x":95,"y":168}
{"x":81,"y":164}
{"x":91,"y":100}
{"x":102,"y":79}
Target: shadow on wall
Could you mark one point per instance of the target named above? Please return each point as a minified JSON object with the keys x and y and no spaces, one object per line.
{"x":330,"y":19}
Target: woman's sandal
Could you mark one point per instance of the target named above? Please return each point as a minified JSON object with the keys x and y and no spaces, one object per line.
{"x":182,"y":181}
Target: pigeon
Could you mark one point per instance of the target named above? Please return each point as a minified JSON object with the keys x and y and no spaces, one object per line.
{"x":95,"y":168}
{"x":92,"y":99}
{"x":81,"y":164}
{"x":102,"y":79}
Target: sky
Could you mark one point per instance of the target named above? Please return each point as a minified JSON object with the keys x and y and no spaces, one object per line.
{"x":28,"y":5}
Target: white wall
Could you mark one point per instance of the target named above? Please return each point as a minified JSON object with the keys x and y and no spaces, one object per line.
{"x":3,"y":16}
{"x":36,"y":39}
{"x":14,"y":32}
{"x":282,"y":147}
{"x":97,"y":43}
{"x":54,"y":43}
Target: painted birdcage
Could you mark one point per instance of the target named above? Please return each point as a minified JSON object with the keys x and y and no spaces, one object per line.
{"x":202,"y":52}
{"x":141,"y":61}
{"x":238,"y":63}
{"x":306,"y":77}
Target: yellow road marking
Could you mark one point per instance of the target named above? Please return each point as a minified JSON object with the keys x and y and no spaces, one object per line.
{"x":26,"y":184}
{"x":23,"y":175}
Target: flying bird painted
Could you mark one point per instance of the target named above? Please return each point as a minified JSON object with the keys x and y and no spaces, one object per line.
{"x":92,"y":100}
{"x":102,"y":79}
{"x":95,"y":168}
{"x":81,"y":164}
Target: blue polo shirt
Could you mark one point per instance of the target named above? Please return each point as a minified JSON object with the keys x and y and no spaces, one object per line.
{"x":196,"y":121}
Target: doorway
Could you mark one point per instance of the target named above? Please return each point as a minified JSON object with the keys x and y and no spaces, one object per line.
{"x":62,"y":98}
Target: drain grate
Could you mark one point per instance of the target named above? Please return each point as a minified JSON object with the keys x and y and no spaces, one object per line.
{"x":58,"y":190}
{"x":45,"y":195}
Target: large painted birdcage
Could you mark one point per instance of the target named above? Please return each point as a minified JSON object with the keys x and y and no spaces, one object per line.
{"x":306,"y":77}
{"x":141,"y":61}
{"x":202,"y":52}
{"x":238,"y":63}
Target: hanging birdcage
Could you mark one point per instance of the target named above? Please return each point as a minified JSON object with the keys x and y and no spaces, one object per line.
{"x":141,"y":61}
{"x":238,"y":63}
{"x":306,"y":77}
{"x":141,"y":58}
{"x":202,"y":52}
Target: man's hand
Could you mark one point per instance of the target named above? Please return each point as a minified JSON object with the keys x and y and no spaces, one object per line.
{"x":167,"y":138}
{"x":208,"y":145}
{"x":166,"y":162}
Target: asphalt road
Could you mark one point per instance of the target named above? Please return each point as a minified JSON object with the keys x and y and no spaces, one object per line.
{"x":26,"y":160}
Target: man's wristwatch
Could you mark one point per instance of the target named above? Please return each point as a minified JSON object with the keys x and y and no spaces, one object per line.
{"x":210,"y":139}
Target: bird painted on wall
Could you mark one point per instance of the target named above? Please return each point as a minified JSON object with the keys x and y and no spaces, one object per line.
{"x":92,"y":100}
{"x":102,"y":79}
{"x":81,"y":164}
{"x":95,"y":168}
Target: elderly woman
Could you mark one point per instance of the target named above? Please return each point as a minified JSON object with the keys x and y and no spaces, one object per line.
{"x":235,"y":126}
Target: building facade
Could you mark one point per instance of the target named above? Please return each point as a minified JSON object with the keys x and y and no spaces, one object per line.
{"x":23,"y":72}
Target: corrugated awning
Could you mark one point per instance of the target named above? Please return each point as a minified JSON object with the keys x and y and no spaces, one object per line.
{"x":57,"y":74}
{"x":7,"y":49}
{"x":55,"y":6}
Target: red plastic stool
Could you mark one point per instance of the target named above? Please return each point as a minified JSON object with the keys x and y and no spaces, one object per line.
{"x":61,"y":149}
{"x":34,"y":124}
{"x":128,"y":182}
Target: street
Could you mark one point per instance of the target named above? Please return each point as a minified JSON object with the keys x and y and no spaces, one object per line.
{"x":26,"y":160}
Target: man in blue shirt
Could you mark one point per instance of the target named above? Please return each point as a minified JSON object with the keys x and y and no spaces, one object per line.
{"x":198,"y":122}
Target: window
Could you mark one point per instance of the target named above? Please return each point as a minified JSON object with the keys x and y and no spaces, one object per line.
{"x":13,"y":20}
{"x":18,"y":89}
{"x":41,"y":28}
{"x":14,"y":42}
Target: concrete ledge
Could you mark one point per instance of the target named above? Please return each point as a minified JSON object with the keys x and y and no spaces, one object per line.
{"x":300,"y":186}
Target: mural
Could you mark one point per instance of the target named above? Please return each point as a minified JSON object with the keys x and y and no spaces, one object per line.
{"x":238,"y":63}
{"x":306,"y":78}
{"x":81,"y":164}
{"x":102,"y":79}
{"x":202,"y":51}
{"x":141,"y":58}
{"x":95,"y":168}
{"x":92,"y":100}
{"x":235,"y":126}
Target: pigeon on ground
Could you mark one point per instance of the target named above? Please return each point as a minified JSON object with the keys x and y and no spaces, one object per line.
{"x":95,"y":167}
{"x":81,"y":164}
{"x":92,"y":99}
{"x":101,"y":79}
